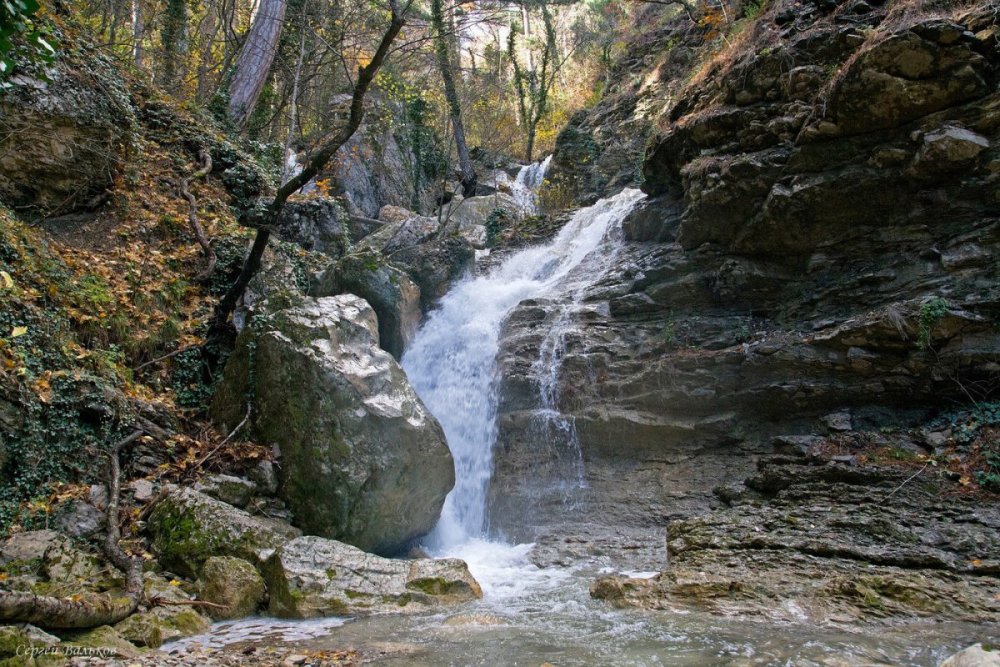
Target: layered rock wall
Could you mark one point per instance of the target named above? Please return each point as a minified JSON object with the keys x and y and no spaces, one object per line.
{"x":817,"y":253}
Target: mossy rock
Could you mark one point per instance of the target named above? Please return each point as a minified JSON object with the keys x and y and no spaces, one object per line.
{"x":362,"y":459}
{"x":151,"y":629}
{"x":311,"y":576}
{"x":233,"y":583}
{"x":144,"y":630}
{"x":14,"y":637}
{"x":105,"y":638}
{"x":189,"y":527}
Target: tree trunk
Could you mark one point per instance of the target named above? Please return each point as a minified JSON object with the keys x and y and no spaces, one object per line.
{"x":254,"y":63}
{"x":451,"y":94}
{"x":293,"y":110}
{"x":316,"y":162}
{"x":137,"y":33}
{"x":208,"y":31}
{"x":174,"y":37}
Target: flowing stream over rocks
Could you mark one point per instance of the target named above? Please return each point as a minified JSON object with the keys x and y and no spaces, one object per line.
{"x":532,"y":614}
{"x":452,"y":360}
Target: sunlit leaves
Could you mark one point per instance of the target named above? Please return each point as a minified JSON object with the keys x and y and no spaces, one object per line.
{"x":21,"y":35}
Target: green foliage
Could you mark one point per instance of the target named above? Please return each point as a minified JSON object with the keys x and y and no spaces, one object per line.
{"x":55,"y":442}
{"x":967,"y":425}
{"x":754,"y":9}
{"x":229,"y":254}
{"x":669,"y":332}
{"x":304,"y":263}
{"x":190,"y":381}
{"x":173,"y":38}
{"x":430,"y":162}
{"x":497,"y":220}
{"x":930,"y":313}
{"x":21,"y":35}
{"x":900,"y":454}
{"x":245,"y":182}
{"x":974,"y":433}
{"x":990,"y":478}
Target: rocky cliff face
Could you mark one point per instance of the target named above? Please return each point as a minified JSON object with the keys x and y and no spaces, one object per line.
{"x":817,"y":254}
{"x":393,"y":159}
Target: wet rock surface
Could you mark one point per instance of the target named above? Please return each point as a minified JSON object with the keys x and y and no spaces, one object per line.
{"x":822,"y":540}
{"x":387,"y":289}
{"x":312,"y":576}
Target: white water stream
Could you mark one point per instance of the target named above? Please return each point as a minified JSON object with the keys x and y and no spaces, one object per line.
{"x":452,"y":360}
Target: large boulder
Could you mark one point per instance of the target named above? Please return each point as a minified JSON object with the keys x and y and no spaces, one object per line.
{"x":189,"y":527}
{"x":390,"y":292}
{"x":435,"y":266}
{"x":233,"y":584}
{"x":468,"y":217}
{"x":312,"y":576}
{"x":401,"y":229}
{"x":363,"y":460}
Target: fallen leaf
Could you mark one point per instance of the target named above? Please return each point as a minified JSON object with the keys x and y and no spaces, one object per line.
{"x":18,"y":331}
{"x":7,"y":281}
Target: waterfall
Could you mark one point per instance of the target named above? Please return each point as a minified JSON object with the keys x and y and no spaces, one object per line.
{"x":452,"y":360}
{"x":532,"y":175}
{"x":524,"y":187}
{"x":292,"y":168}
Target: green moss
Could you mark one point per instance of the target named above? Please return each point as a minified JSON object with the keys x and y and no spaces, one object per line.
{"x":355,"y":595}
{"x":104,"y":637}
{"x":22,"y":567}
{"x":180,"y":540}
{"x":142,"y":630}
{"x":930,"y":313}
{"x":187,"y":621}
{"x":433,"y":585}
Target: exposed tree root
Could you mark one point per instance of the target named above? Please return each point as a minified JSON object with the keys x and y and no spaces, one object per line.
{"x":199,"y":231}
{"x":86,"y":611}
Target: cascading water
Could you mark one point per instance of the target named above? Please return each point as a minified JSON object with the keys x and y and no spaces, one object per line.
{"x":452,"y":360}
{"x":527,"y":182}
{"x":524,"y":187}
